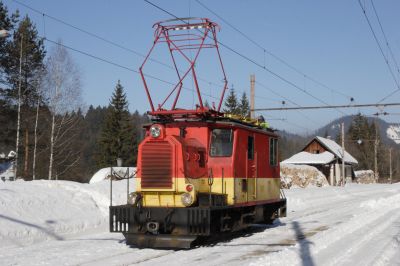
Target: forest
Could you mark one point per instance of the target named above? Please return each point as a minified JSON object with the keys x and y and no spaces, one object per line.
{"x":43,"y":117}
{"x":56,"y":135}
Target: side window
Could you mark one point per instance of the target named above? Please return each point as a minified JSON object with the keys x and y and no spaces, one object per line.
{"x":250,"y":147}
{"x":202,"y":159}
{"x":221,"y":142}
{"x":273,"y":151}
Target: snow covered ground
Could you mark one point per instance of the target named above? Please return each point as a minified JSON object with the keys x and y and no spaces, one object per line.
{"x":66,"y":223}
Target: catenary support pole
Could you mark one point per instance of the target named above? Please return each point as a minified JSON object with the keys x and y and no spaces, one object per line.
{"x":252,"y":95}
{"x":343,"y":161}
{"x":390,"y":165}
{"x":376,"y":153}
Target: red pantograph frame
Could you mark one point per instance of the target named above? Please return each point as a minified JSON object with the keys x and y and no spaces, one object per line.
{"x":199,"y":30}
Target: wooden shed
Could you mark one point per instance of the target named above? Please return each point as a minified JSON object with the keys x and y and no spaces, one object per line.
{"x":326,"y":155}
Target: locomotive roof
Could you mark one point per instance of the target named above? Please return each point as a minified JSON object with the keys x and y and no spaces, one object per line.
{"x":214,"y":122}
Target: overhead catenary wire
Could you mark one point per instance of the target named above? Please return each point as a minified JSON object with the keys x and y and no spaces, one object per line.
{"x":276,"y":93}
{"x":386,"y":39}
{"x":274,"y":118}
{"x":117,"y":64}
{"x":98,"y":37}
{"x":135,"y":71}
{"x":382,"y":53}
{"x":252,"y":61}
{"x":378,"y":105}
{"x":278,"y":58}
{"x":105,"y":40}
{"x":287,"y":99}
{"x":109,"y":61}
{"x":222,"y":44}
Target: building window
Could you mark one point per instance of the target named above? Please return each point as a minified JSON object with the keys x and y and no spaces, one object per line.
{"x":221,"y":142}
{"x":250,"y":147}
{"x":273,"y":151}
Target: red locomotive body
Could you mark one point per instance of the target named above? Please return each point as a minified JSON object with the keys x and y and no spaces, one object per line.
{"x":200,"y":173}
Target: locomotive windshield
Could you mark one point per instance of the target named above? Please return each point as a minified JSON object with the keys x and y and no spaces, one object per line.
{"x":221,"y":142}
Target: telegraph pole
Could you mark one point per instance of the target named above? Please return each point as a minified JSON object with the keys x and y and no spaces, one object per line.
{"x":252,"y":95}
{"x":390,"y":165}
{"x":376,"y":153}
{"x":343,"y":168}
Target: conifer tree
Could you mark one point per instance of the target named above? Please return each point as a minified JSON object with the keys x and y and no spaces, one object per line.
{"x":244,"y":106}
{"x":23,"y":65}
{"x":361,"y":137}
{"x":231,"y":103}
{"x":7,"y":22}
{"x":118,"y":136}
{"x":33,"y":53}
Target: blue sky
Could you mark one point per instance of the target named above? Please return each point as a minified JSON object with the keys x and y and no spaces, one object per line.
{"x":327,"y":40}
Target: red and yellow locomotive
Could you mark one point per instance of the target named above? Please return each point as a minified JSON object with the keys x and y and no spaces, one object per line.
{"x":200,"y":172}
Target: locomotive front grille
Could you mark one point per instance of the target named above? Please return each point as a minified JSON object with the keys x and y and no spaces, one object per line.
{"x":157,"y":165}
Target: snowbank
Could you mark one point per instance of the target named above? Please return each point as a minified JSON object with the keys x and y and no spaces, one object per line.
{"x":301,"y":176}
{"x":42,"y":210}
{"x":104,"y":173}
{"x":365,"y":176}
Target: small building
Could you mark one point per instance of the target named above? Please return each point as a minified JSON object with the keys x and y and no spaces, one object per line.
{"x":326,"y":155}
{"x":7,"y":171}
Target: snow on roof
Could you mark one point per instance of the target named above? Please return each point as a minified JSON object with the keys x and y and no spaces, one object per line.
{"x":310,"y":158}
{"x":333,"y":147}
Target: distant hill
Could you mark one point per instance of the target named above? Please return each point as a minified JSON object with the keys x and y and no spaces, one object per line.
{"x":292,"y":143}
{"x":390,"y":133}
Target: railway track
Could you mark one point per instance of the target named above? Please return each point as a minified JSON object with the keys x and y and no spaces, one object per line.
{"x":333,"y":230}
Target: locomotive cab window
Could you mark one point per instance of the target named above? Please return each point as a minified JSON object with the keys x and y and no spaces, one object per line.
{"x":273,"y":151}
{"x":221,"y":142}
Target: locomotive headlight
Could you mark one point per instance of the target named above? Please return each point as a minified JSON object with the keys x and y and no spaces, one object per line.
{"x":133,"y":198}
{"x":155,"y":131}
{"x":187,"y":199}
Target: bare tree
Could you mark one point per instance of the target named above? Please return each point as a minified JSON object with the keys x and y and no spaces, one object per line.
{"x":63,"y":92}
{"x":39,"y":88}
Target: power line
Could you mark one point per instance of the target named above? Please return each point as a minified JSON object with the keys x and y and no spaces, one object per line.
{"x":386,"y":40}
{"x":284,"y":120}
{"x":385,"y":113}
{"x":379,"y":105}
{"x":98,"y":37}
{"x":118,"y":65}
{"x":276,"y":93}
{"x":250,"y":60}
{"x":287,"y":99}
{"x":272,"y":54}
{"x":382,"y":53}
{"x":89,"y":33}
